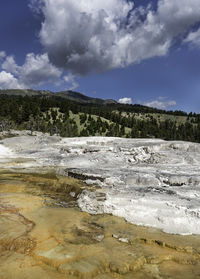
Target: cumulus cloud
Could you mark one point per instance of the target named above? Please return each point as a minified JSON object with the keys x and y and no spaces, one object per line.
{"x":8,"y":81}
{"x":127,"y":101}
{"x":38,"y":70}
{"x":9,"y":65}
{"x":70,"y":80}
{"x":193,"y":38}
{"x":2,"y":54}
{"x":35,"y":71}
{"x":87,"y":35}
{"x":160,"y":103}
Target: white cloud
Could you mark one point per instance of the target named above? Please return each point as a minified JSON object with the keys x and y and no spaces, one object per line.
{"x":9,"y":65}
{"x":36,"y":5}
{"x":70,"y":80}
{"x":160,"y":104}
{"x":8,"y":81}
{"x":193,"y":38}
{"x":127,"y":101}
{"x":2,"y":54}
{"x":35,"y":71}
{"x":90,"y":35}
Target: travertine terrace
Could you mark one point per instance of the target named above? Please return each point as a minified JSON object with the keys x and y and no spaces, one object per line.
{"x":149,"y":182}
{"x":65,"y":203}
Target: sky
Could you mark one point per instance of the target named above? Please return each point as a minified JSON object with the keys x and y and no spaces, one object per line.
{"x":136,"y":51}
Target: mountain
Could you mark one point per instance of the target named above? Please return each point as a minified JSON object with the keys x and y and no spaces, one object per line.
{"x":69,"y":95}
{"x":81,"y":98}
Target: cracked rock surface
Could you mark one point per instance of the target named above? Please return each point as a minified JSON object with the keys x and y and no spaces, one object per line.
{"x":149,"y":182}
{"x":39,"y":238}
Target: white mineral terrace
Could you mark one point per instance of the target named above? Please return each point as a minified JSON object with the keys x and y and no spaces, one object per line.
{"x":147,"y":181}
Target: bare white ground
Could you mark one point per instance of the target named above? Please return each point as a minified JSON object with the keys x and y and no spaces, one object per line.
{"x":147,"y":181}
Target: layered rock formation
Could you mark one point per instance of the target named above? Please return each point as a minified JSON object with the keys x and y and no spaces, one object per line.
{"x":43,"y":235}
{"x":147,"y":181}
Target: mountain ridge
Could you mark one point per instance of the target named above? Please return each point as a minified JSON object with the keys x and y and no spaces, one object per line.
{"x":69,"y":95}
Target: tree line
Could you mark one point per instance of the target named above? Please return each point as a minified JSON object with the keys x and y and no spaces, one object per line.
{"x":60,"y":116}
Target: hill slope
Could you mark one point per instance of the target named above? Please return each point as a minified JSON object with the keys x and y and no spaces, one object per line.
{"x":72,"y":114}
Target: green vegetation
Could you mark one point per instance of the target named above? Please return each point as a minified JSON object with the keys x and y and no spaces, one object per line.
{"x":58,"y":115}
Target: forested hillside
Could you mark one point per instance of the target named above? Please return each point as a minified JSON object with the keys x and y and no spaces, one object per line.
{"x":58,"y":115}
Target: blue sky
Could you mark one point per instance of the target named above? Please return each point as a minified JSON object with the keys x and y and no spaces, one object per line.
{"x":146,"y":51}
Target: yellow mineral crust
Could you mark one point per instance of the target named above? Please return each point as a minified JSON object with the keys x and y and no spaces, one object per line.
{"x":44,"y":235}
